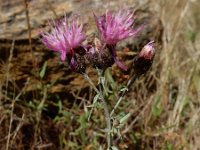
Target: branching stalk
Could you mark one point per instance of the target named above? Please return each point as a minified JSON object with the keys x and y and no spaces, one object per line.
{"x":106,"y":110}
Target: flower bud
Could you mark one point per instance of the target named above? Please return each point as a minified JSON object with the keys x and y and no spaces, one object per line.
{"x":148,"y":51}
{"x":143,"y":61}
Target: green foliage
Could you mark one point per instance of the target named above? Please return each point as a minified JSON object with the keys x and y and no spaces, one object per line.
{"x":156,"y":109}
{"x":83,"y":125}
{"x":36,"y":105}
{"x":109,"y":77}
{"x":43,"y":70}
{"x":63,"y":115}
{"x":191,"y":35}
{"x":125,"y":118}
{"x":168,"y":146}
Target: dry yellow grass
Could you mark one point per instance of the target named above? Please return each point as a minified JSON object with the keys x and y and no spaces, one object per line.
{"x":179,"y":81}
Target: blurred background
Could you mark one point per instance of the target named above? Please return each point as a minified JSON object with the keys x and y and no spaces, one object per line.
{"x":43,"y":105}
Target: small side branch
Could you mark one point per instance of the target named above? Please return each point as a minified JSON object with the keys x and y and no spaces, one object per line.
{"x":130,"y":82}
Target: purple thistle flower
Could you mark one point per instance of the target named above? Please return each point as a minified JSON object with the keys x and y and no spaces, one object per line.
{"x":114,"y":27}
{"x":66,"y":38}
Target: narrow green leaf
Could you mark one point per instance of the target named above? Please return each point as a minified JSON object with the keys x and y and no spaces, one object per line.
{"x":114,"y":148}
{"x":43,"y":70}
{"x":95,"y":99}
{"x":125,"y":118}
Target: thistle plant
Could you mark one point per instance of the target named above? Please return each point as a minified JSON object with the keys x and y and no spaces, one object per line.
{"x":67,"y":37}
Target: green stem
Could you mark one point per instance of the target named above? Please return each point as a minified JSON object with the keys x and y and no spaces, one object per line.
{"x":106,"y":110}
{"x":130,"y":82}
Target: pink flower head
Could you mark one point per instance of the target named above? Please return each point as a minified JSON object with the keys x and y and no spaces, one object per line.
{"x":114,"y":27}
{"x":65,"y":37}
{"x":148,"y":51}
